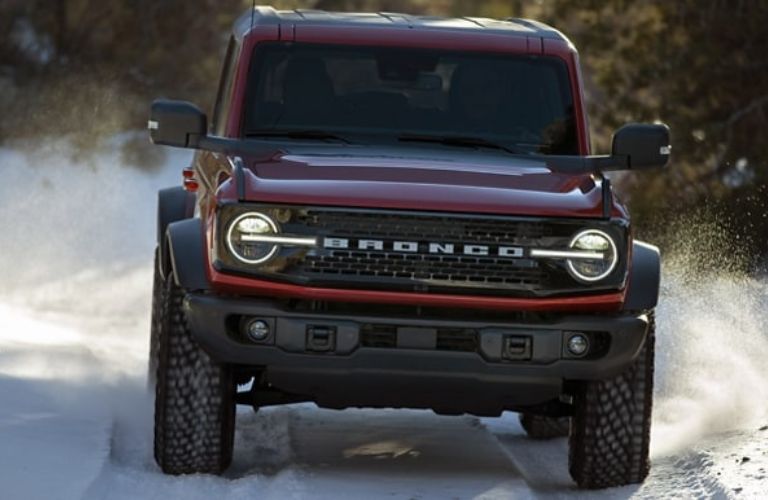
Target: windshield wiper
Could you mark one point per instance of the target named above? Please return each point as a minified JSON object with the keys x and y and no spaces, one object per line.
{"x":451,"y":140}
{"x":319,"y":135}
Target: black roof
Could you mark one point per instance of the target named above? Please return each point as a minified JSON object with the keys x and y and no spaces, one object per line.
{"x":512,"y":26}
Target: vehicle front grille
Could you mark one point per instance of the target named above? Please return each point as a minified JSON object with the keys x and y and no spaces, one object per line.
{"x":454,"y":267}
{"x":422,"y":270}
{"x":447,"y":270}
{"x":437,"y":270}
{"x":430,"y":227}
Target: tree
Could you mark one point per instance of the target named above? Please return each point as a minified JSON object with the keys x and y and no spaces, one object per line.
{"x":700,"y":67}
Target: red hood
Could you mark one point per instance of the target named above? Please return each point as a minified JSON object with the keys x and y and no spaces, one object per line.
{"x":429,"y":179}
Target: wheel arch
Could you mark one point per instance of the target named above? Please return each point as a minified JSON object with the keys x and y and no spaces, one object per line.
{"x":173,"y":204}
{"x":185,"y":241}
{"x":644,"y":278}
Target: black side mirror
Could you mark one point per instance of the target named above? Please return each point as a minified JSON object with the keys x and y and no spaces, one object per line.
{"x":183,"y":125}
{"x":177,"y":123}
{"x":643,"y":145}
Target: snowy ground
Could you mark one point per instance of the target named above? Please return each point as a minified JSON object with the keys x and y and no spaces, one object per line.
{"x":75,"y":418}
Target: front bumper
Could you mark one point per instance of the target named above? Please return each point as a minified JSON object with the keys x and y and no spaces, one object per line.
{"x":409,"y":366}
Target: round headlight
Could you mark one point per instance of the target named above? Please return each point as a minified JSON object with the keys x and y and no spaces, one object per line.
{"x":593,"y":269}
{"x":243,"y":238}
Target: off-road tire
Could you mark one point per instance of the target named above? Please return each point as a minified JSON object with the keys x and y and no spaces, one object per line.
{"x":611,"y":425}
{"x":194,"y":398}
{"x":541,"y":427}
{"x":158,"y":298}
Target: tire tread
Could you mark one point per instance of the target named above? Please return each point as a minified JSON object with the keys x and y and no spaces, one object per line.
{"x":194,"y":398}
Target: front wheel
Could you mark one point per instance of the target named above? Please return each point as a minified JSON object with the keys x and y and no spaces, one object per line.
{"x":194,"y":397}
{"x":611,"y":425}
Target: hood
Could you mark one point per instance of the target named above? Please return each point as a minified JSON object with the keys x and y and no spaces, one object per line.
{"x":414,"y":178}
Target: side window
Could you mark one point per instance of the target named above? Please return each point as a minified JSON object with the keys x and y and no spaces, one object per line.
{"x":221,"y":107}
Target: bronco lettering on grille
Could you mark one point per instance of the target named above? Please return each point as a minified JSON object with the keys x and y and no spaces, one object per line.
{"x":424,"y":247}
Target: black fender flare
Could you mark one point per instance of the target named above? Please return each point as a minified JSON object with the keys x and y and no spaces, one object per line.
{"x":644,"y":278}
{"x":173,"y":204}
{"x":185,"y":242}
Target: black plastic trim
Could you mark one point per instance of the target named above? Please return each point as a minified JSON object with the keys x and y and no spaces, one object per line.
{"x":185,"y":240}
{"x":173,"y":204}
{"x":352,"y":375}
{"x":607,"y":198}
{"x":208,"y":313}
{"x":644,"y":278}
{"x":239,"y":178}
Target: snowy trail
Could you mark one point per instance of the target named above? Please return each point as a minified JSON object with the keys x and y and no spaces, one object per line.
{"x":75,"y":416}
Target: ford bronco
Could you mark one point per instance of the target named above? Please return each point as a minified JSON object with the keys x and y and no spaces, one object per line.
{"x":400,"y":211}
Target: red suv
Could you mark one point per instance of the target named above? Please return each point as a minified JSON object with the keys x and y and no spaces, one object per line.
{"x":400,"y":211}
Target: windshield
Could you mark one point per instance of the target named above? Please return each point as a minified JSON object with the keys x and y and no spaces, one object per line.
{"x":522,"y":103}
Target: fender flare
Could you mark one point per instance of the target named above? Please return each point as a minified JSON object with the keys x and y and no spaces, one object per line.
{"x":173,"y":204}
{"x":644,"y":278}
{"x":185,"y":241}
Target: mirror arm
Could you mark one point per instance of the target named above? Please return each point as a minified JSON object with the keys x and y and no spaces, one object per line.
{"x":587,"y":164}
{"x":232,"y":147}
{"x":215,"y":144}
{"x":608,"y":163}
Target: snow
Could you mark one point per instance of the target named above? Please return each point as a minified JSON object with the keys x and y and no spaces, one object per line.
{"x":75,"y":416}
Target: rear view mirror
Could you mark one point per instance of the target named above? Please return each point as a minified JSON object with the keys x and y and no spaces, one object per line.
{"x":643,"y":145}
{"x":177,"y":123}
{"x":181,"y":124}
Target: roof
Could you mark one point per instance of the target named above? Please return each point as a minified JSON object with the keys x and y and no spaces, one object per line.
{"x":512,"y":26}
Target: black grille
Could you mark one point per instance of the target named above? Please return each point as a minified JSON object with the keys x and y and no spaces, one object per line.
{"x":375,"y":335}
{"x":421,"y":268}
{"x":407,"y":226}
{"x":438,"y":270}
{"x":447,"y":339}
{"x":457,"y":339}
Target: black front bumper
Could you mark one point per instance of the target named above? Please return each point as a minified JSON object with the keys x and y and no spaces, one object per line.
{"x":508,"y":365}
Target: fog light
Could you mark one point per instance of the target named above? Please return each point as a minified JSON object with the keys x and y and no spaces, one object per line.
{"x":257,"y":330}
{"x":578,"y":345}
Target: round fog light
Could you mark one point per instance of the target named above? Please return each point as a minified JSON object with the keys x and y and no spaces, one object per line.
{"x":257,"y":330}
{"x":578,"y":345}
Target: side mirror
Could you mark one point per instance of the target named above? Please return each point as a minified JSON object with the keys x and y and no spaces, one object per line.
{"x":643,"y":145}
{"x":176,"y":123}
